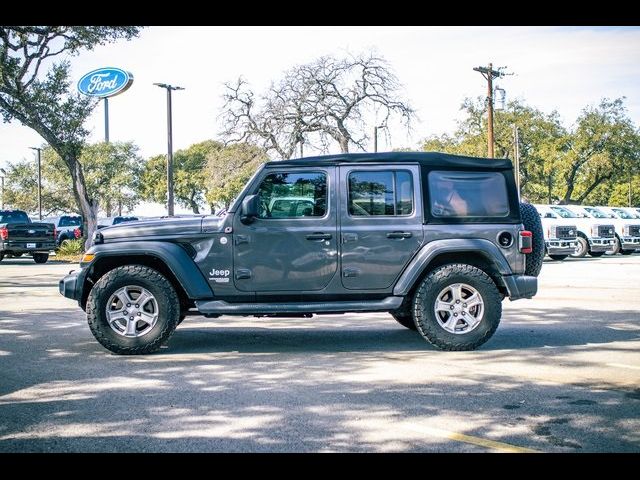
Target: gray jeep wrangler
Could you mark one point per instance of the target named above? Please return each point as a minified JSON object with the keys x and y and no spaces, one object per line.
{"x":437,"y":240}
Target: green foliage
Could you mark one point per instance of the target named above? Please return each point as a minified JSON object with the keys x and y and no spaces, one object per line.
{"x":70,"y":248}
{"x":584,"y":164}
{"x":189,"y":167}
{"x":111,"y":173}
{"x":228,"y":169}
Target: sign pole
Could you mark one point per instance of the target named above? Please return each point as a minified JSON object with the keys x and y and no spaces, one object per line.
{"x":106,"y":120}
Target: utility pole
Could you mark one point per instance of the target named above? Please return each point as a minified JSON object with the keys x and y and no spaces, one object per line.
{"x":629,"y":188}
{"x":550,"y":184}
{"x":106,"y":120}
{"x":489,"y":74}
{"x":38,"y":149}
{"x":169,"y":147}
{"x":516,"y":156}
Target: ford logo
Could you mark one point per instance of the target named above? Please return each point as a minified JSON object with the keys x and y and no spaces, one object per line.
{"x":31,"y":231}
{"x":610,"y":231}
{"x":105,"y":82}
{"x":570,"y":232}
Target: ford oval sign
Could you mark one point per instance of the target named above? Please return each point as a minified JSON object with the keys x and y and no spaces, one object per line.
{"x":105,"y":82}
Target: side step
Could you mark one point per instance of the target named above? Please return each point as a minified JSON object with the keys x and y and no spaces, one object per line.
{"x":221,"y":307}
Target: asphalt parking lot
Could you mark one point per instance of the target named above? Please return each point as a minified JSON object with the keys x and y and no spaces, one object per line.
{"x":561,"y":374}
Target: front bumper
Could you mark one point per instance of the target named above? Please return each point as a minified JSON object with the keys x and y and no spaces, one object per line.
{"x":601,"y":244}
{"x":71,"y":285}
{"x":521,"y":286}
{"x":630,"y":243}
{"x":561,"y":247}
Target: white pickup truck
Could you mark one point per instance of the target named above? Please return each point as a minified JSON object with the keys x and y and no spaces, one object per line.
{"x":627,"y":229}
{"x":560,"y":234}
{"x":595,"y":236}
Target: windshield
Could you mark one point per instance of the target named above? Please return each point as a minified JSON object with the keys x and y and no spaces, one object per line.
{"x":14,"y":217}
{"x":70,"y":222}
{"x":595,"y":213}
{"x":564,"y":213}
{"x":622,"y":214}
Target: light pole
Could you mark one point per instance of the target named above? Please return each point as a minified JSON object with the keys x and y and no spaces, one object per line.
{"x":3,"y":173}
{"x":375,"y":136}
{"x":38,"y":149}
{"x":169,"y":147}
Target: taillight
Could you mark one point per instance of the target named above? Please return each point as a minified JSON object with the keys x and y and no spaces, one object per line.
{"x":525,"y":241}
{"x":55,"y":233}
{"x":77,"y":233}
{"x":4,"y":233}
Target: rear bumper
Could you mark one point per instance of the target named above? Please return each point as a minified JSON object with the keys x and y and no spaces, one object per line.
{"x":521,"y":286}
{"x":561,"y":247}
{"x":20,"y":247}
{"x":71,"y":285}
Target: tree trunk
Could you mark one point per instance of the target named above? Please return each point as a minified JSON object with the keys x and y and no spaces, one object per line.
{"x":107,"y":208}
{"x":194,"y":206}
{"x":87,"y":207}
{"x":344,"y":144}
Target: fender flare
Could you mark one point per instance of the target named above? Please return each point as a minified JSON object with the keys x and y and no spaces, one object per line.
{"x":172,"y":255}
{"x":431,"y":250}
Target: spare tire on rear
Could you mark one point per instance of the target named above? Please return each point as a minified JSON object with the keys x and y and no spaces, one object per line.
{"x":531,"y":221}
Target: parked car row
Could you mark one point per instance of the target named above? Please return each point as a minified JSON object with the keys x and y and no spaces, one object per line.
{"x":578,"y":230}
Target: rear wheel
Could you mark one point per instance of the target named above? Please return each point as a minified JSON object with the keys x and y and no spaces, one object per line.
{"x":531,"y":220}
{"x":582,"y":247}
{"x":40,"y":257}
{"x":133,"y":310}
{"x":457,"y":307}
{"x":558,"y":257}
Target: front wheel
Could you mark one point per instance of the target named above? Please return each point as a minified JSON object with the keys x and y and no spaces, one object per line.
{"x":582,"y":248}
{"x":133,"y":310}
{"x":558,"y":257}
{"x":40,"y":257}
{"x":597,"y":254}
{"x":457,"y":307}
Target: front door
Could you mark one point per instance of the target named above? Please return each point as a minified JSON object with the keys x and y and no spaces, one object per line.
{"x":293,"y":244}
{"x":381,"y":223}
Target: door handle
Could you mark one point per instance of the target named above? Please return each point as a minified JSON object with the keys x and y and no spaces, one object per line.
{"x":319,"y":236}
{"x":399,"y":235}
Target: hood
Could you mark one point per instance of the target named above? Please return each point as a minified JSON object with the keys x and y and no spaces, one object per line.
{"x":160,"y":227}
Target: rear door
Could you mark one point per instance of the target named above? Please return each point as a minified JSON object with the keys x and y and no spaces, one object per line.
{"x":381,"y":223}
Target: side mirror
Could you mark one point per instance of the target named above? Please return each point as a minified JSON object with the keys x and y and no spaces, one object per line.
{"x":249,"y":210}
{"x":548,"y":215}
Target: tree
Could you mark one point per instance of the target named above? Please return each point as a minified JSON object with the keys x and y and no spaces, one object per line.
{"x":189,"y":167}
{"x":329,"y":99}
{"x":45,"y":102}
{"x":111,"y":172}
{"x":229,"y":169}
{"x":603,"y":146}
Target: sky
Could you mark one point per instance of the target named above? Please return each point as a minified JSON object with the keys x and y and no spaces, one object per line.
{"x":555,"y":68}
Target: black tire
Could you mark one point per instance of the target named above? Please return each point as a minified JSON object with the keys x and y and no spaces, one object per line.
{"x":582,"y":248}
{"x":596,"y":254}
{"x":405,"y":320}
{"x":626,"y":252}
{"x":531,"y":220}
{"x":62,"y":239}
{"x":181,"y":319}
{"x":427,"y":294}
{"x":154,"y":282}
{"x":1,"y":256}
{"x":40,"y":257}
{"x":558,"y":257}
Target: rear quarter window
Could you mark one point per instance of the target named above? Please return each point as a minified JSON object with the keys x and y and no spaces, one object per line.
{"x":468,"y":194}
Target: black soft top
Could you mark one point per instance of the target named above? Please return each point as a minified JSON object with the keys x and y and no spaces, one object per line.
{"x":427,"y":159}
